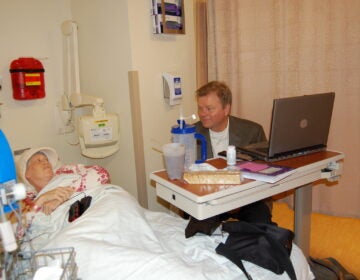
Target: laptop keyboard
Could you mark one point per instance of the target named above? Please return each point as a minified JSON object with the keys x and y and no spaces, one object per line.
{"x":263,"y":149}
{"x":281,"y":156}
{"x":298,"y":153}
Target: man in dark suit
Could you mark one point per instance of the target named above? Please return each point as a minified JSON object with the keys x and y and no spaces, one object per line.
{"x":221,"y":130}
{"x":217,"y":125}
{"x":241,"y":133}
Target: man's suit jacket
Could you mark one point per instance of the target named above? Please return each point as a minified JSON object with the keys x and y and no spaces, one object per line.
{"x":241,"y":132}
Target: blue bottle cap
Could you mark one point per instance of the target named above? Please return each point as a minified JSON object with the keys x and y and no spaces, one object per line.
{"x":185,"y":129}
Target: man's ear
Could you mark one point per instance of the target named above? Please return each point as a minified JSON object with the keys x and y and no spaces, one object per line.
{"x":227,"y":109}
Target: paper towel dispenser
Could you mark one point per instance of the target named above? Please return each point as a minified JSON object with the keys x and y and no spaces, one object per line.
{"x":172,"y":88}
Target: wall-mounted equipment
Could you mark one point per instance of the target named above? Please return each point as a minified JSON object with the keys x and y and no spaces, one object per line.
{"x":98,"y":133}
{"x":168,"y":16}
{"x":172,"y":88}
{"x":27,"y":78}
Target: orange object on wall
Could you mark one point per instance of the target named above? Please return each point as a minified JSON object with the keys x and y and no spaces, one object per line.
{"x":27,"y":78}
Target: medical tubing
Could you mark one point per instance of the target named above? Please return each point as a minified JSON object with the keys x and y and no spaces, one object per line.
{"x":2,"y":213}
{"x":7,"y":234}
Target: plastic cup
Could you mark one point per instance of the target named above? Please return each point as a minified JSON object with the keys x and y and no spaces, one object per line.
{"x":174,"y":157}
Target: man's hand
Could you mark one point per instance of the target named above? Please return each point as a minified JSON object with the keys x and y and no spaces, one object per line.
{"x":50,"y":200}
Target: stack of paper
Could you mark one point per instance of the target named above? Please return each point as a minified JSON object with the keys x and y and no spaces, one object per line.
{"x":270,"y":173}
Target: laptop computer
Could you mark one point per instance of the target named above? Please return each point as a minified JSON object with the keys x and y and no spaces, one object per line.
{"x":299,"y":126}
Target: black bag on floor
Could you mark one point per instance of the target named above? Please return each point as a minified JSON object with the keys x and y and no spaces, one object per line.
{"x":329,"y":269}
{"x":265,"y":245}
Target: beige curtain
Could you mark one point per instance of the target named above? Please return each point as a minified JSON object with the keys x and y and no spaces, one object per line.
{"x":268,"y":49}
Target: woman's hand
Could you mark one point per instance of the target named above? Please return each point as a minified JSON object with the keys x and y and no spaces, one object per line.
{"x":50,"y":200}
{"x":49,"y":206}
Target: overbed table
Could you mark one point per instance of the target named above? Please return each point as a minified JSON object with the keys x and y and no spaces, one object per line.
{"x":204,"y":201}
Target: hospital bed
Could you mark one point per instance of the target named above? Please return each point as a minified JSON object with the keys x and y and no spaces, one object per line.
{"x":116,"y":238}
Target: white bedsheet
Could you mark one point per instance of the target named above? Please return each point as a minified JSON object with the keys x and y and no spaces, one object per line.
{"x":117,"y":239}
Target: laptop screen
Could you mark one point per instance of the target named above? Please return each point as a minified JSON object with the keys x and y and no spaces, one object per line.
{"x":300,"y":122}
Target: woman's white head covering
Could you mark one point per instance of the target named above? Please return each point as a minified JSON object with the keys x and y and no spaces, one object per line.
{"x":22,"y":161}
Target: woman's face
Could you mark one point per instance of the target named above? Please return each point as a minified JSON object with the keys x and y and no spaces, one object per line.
{"x":211,"y":112}
{"x":39,"y":171}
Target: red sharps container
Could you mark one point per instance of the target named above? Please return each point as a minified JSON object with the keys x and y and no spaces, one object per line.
{"x":27,"y":78}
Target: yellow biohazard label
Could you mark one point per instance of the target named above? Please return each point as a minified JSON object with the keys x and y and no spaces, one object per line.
{"x":32,"y":79}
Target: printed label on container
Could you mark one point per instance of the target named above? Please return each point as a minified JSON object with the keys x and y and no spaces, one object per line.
{"x":32,"y":79}
{"x":101,"y":134}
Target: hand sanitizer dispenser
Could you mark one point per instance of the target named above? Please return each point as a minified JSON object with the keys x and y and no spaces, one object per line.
{"x":172,"y":88}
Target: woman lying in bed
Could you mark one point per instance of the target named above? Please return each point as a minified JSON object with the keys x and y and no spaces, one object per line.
{"x":40,"y":167}
{"x":116,"y":238}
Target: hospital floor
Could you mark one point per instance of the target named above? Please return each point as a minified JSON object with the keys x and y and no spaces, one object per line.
{"x":331,"y":236}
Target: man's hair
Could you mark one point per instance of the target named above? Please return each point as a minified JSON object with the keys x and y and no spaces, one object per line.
{"x":221,"y":90}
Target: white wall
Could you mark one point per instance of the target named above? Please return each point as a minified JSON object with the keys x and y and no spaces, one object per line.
{"x":104,"y":54}
{"x":151,"y":56}
{"x":114,"y":37}
{"x":32,"y":28}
